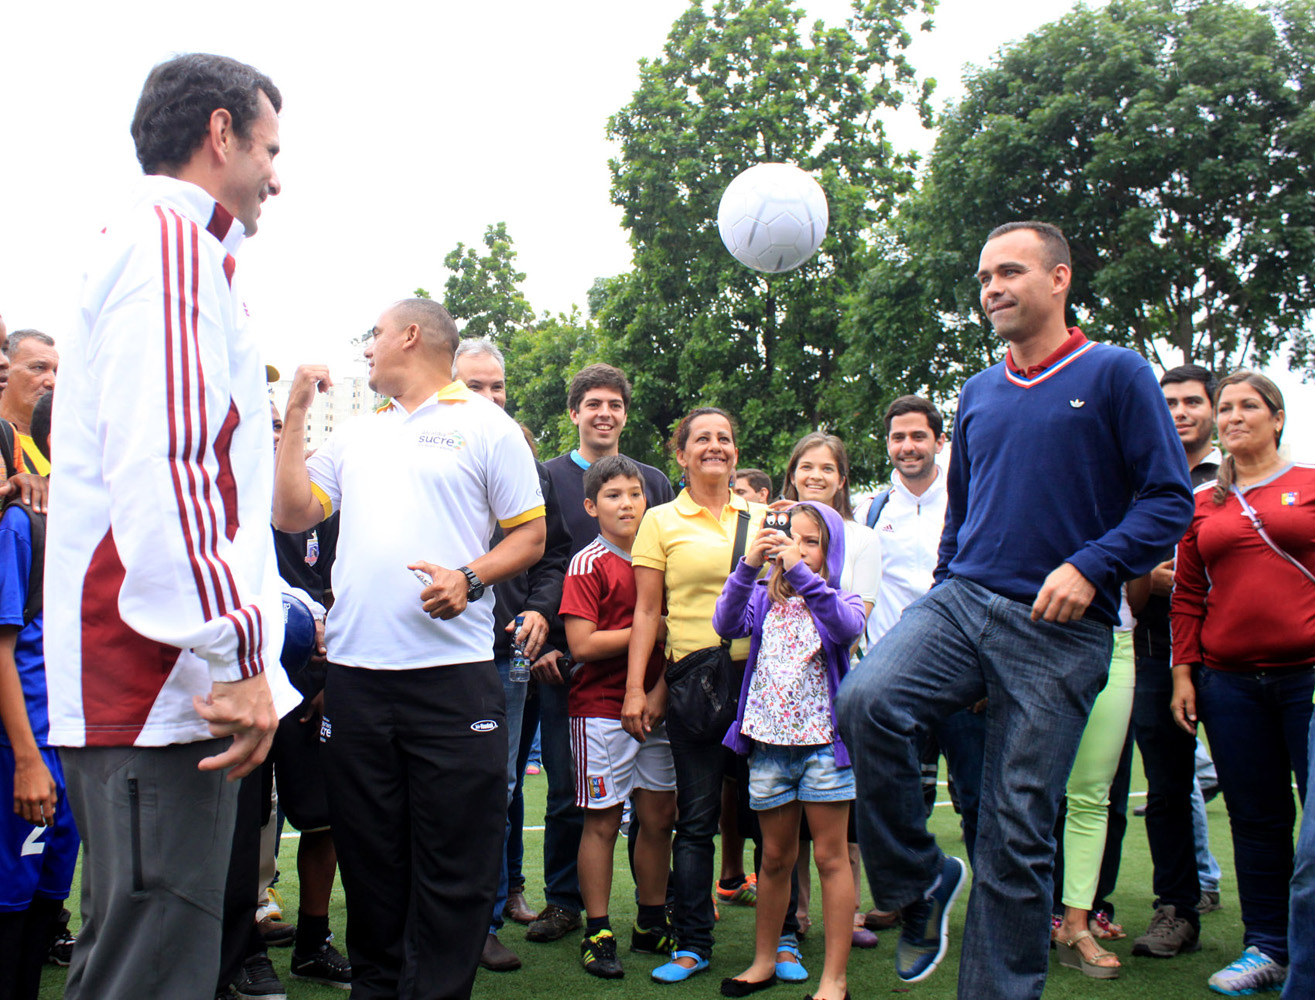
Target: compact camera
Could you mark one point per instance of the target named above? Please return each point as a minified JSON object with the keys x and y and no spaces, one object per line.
{"x":779,"y":520}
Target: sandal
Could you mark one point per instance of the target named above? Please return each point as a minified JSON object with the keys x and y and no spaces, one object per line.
{"x":1102,"y":927}
{"x":1097,"y":966}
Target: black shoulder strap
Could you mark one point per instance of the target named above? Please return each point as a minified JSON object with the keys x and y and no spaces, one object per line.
{"x":876,"y":507}
{"x":7,"y":447}
{"x":741,"y":542}
{"x":37,"y":572}
{"x":741,"y":539}
{"x":36,"y":578}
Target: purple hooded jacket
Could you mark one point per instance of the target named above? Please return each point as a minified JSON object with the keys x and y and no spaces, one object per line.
{"x":838,"y":614}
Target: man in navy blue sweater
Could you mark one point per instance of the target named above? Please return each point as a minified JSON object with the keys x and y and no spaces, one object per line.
{"x":1066,"y":479}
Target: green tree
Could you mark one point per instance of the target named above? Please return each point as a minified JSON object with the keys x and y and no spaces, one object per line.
{"x":541,"y":359}
{"x":738,"y":85}
{"x":1172,"y":140}
{"x":484,"y":290}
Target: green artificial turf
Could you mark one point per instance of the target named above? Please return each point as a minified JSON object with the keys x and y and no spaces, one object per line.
{"x":553,"y":970}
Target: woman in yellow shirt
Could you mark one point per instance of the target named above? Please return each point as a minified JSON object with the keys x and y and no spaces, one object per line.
{"x":682,"y":554}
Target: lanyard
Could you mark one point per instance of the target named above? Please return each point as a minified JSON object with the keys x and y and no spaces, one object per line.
{"x":1256,"y":523}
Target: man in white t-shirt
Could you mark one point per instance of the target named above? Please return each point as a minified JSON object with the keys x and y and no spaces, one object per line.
{"x":414,"y":714}
{"x":909,"y":517}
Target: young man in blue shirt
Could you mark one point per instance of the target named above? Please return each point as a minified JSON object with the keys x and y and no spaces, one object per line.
{"x":1066,"y":480}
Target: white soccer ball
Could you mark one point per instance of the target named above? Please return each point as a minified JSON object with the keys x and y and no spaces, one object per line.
{"x":772,"y":217}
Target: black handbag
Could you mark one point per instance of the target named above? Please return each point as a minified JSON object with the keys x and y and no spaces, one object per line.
{"x":702,"y":695}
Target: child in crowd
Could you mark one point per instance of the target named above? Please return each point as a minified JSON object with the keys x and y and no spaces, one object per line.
{"x":38,"y":839}
{"x":801,"y":629}
{"x":598,"y":606}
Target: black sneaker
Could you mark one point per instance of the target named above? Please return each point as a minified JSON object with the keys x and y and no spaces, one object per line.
{"x":554,"y":923}
{"x":327,"y":966}
{"x":259,"y":981}
{"x":61,"y":941}
{"x":598,"y":956}
{"x":925,"y":936}
{"x":659,"y":941}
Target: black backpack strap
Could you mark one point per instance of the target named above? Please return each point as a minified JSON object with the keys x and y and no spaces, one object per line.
{"x":875,"y":508}
{"x":37,"y":572}
{"x":7,"y":447}
{"x":36,"y":578}
{"x":737,"y":553}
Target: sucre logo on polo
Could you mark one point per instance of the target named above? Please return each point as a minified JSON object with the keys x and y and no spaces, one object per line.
{"x":484,"y":726}
{"x":446,"y":440}
{"x":326,"y":729}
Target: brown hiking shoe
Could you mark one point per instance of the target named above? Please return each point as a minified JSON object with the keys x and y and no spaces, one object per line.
{"x":553,"y":923}
{"x":1168,"y":935}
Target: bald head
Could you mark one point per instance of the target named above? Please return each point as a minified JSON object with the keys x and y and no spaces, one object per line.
{"x":437,"y":328}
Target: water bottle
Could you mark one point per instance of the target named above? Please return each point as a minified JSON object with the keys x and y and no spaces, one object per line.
{"x":520,"y":663}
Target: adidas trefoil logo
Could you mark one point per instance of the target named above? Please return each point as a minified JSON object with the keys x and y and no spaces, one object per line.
{"x":1077,"y":404}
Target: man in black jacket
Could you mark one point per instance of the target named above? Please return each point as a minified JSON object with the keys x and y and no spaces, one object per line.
{"x":536,"y":595}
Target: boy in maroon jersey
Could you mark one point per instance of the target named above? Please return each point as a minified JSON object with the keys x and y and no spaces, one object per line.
{"x":598,"y":606}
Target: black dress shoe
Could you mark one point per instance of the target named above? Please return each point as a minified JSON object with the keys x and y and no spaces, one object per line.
{"x":742,"y":987}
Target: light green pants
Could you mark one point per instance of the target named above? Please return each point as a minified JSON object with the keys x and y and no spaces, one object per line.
{"x":1088,"y":787}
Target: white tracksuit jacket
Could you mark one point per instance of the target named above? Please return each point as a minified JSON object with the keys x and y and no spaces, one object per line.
{"x":160,"y":572}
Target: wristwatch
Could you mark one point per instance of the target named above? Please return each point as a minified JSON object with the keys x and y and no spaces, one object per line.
{"x":476,"y":588}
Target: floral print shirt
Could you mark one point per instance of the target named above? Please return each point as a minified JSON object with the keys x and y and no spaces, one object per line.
{"x":788,"y":703}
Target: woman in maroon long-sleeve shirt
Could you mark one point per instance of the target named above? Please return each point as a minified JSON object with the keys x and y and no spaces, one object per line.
{"x":1243,"y":619}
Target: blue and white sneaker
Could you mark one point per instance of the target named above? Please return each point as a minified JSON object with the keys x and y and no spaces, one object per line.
{"x":1254,"y":972}
{"x":926,"y":934}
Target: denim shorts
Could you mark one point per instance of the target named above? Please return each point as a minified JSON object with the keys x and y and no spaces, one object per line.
{"x":778,"y":775}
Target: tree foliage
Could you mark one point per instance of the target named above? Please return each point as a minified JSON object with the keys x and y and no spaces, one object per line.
{"x":1172,"y":140}
{"x":736,"y":85}
{"x":483,"y":290}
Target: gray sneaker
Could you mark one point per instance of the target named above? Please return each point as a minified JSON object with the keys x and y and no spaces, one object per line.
{"x":1168,"y":935}
{"x":1209,"y":902}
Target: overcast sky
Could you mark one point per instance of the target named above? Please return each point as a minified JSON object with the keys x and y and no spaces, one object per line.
{"x":405,"y":129}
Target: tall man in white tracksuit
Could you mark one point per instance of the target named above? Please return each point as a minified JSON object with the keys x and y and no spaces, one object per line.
{"x":162,"y":597}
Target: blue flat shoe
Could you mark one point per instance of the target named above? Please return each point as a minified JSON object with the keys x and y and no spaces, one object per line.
{"x":675,"y":973}
{"x":791,"y":972}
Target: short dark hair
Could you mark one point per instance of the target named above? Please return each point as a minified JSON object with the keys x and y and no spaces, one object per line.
{"x":758,"y":480}
{"x":605,"y":470}
{"x":18,"y":336}
{"x":1052,"y":238}
{"x":437,"y":327}
{"x":916,"y":404}
{"x":40,"y":424}
{"x":599,"y":376}
{"x":1192,"y":373}
{"x":178,"y":98}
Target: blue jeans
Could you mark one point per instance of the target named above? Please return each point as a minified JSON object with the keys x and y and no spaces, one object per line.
{"x":1301,"y":945}
{"x":962,"y":737}
{"x":955,"y":645}
{"x":699,"y":772}
{"x":1167,"y":753}
{"x":1258,"y":724}
{"x":516,"y":808}
{"x":1207,"y":868}
{"x":563,"y":820}
{"x":515,"y":695}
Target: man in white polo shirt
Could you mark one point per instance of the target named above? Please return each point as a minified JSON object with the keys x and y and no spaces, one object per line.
{"x":909,"y":518}
{"x":413,"y":723}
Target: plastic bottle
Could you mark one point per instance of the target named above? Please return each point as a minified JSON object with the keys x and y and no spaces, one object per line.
{"x":520,"y":663}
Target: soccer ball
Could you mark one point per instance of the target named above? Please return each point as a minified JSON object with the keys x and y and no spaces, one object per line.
{"x":772,"y":217}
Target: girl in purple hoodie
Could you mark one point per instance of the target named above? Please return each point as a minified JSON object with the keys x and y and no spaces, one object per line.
{"x":801,"y":627}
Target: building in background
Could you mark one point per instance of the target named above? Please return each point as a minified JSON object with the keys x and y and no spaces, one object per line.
{"x":347,"y":398}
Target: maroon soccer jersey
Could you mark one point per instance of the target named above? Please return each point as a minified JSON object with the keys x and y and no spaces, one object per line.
{"x":600,"y":587}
